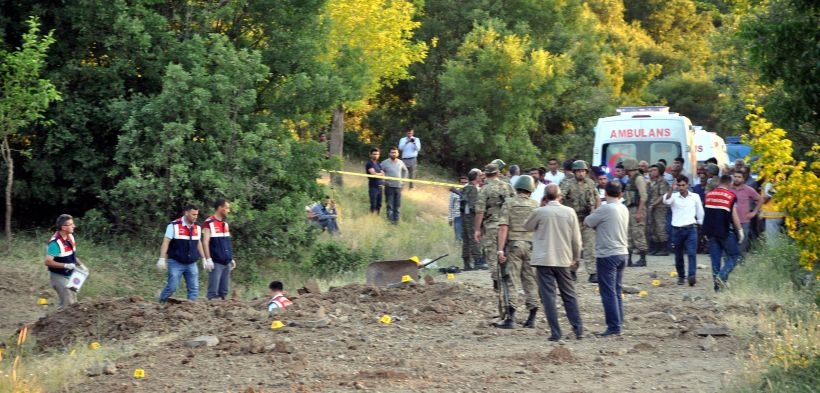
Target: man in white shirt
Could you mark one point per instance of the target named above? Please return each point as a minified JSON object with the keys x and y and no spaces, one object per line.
{"x":553,"y":175}
{"x":687,"y":214}
{"x":537,"y":194}
{"x":409,"y":147}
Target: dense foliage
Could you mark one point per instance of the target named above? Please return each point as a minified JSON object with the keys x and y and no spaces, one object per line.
{"x":170,"y":101}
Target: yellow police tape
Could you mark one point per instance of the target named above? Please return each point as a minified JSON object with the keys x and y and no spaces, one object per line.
{"x":432,"y":183}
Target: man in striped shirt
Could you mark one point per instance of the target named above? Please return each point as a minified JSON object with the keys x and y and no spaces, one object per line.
{"x":721,"y":225}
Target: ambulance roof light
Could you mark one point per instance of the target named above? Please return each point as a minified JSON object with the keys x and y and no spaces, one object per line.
{"x":658,"y":108}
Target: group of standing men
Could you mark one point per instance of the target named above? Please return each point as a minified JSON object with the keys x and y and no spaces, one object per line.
{"x":393,"y":167}
{"x":185,"y":243}
{"x":531,"y":244}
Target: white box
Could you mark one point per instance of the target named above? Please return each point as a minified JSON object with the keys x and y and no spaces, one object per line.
{"x":77,"y":278}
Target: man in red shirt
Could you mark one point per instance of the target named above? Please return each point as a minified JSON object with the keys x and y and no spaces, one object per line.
{"x":722,"y":226}
{"x":749,"y":202}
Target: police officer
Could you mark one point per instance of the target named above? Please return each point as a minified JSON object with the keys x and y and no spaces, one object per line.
{"x":635,"y":199}
{"x":487,"y":209}
{"x":470,"y":250}
{"x":515,"y":251}
{"x":580,"y":194}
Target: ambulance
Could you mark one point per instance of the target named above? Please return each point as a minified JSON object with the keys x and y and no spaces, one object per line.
{"x":708,"y":145}
{"x":645,"y":133}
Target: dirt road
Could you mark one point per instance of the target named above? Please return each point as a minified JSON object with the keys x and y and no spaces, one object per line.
{"x":440,"y":340}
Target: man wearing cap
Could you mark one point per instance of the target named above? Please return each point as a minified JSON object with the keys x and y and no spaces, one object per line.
{"x":580,"y":194}
{"x":656,"y":219}
{"x":410,"y":147}
{"x":487,"y":209}
{"x":470,"y":249}
{"x":515,"y":251}
{"x":635,"y":199}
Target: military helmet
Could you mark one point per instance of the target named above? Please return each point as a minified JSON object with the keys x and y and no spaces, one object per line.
{"x":713,"y":169}
{"x":490,"y":169}
{"x":580,"y":164}
{"x":630,"y":164}
{"x":524,"y":182}
{"x":498,"y":162}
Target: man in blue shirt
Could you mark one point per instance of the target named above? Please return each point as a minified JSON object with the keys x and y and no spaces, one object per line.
{"x":61,"y":259}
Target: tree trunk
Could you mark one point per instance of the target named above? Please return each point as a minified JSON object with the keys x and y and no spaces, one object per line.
{"x":337,"y":136}
{"x":5,"y":152}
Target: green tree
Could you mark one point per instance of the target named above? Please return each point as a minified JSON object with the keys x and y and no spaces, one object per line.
{"x":24,"y":96}
{"x":200,"y":138}
{"x":369,"y":45}
{"x":495,"y":89}
{"x":780,"y":38}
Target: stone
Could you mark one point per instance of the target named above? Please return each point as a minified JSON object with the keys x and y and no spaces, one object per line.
{"x":660,"y":316}
{"x":710,"y":329}
{"x":311,"y":286}
{"x":631,"y":290}
{"x":282,"y":347}
{"x":429,"y":280}
{"x":203,"y":341}
{"x":708,"y":344}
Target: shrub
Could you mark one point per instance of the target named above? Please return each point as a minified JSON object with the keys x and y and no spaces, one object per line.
{"x":332,"y":258}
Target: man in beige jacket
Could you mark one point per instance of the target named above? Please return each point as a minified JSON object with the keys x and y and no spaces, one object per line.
{"x":556,"y":246}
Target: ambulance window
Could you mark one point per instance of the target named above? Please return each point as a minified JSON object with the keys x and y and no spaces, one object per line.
{"x":666,"y":150}
{"x":617,"y":152}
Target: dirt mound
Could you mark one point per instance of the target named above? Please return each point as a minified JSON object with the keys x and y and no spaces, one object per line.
{"x":125,"y":318}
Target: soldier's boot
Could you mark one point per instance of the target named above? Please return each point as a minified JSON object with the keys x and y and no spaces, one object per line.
{"x":629,"y":260}
{"x":467,"y":264}
{"x":481,"y":264}
{"x":509,"y":322}
{"x":641,"y":262}
{"x":530,"y":322}
{"x":662,"y":251}
{"x":653,"y":248}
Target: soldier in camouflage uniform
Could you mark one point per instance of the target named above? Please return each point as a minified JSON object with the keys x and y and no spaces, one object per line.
{"x":515,"y":252}
{"x":635,"y":199}
{"x":712,"y":172}
{"x":657,"y":211}
{"x":470,"y":250}
{"x":580,"y":193}
{"x":487,"y":208}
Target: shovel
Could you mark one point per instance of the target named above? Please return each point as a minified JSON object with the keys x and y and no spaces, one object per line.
{"x":384,"y":273}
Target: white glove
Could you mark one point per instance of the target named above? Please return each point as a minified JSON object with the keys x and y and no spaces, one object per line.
{"x":208,"y":264}
{"x":161,"y":265}
{"x":233,"y":264}
{"x":70,"y":266}
{"x":740,"y":236}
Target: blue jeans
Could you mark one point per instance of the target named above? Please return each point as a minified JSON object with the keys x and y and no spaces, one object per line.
{"x":610,"y":285}
{"x":457,"y":227}
{"x":177,"y":270}
{"x":392,"y":196}
{"x":685,"y":239}
{"x":719,"y":246}
{"x":375,"y":193}
{"x":219,"y":281}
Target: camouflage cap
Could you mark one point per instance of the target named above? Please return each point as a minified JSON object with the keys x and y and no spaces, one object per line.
{"x":490,"y":169}
{"x":713,"y":169}
{"x":630,"y":164}
{"x":660,"y":166}
{"x":499,"y":162}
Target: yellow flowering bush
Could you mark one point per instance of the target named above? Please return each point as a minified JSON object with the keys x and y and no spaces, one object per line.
{"x":797,"y":183}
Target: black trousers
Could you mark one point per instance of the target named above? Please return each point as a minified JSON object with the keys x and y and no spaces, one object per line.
{"x":550,"y":277}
